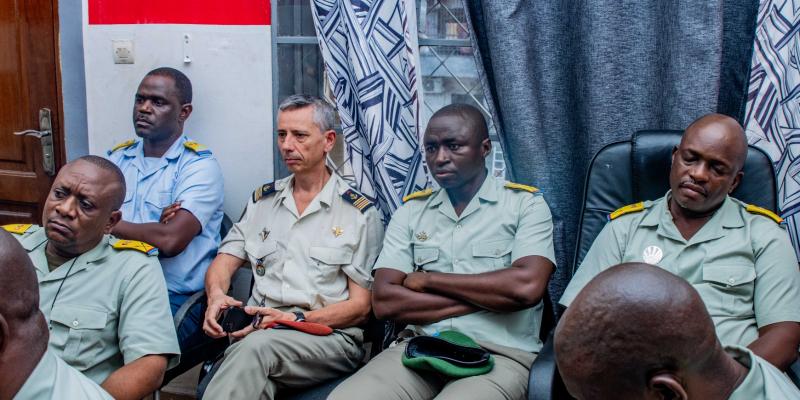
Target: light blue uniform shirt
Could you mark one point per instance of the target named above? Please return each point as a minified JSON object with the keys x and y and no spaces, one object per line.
{"x":193,"y":178}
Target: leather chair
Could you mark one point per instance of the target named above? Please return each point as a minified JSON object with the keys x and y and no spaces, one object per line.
{"x":635,"y":170}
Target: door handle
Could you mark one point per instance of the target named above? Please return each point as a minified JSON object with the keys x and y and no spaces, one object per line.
{"x":45,"y":136}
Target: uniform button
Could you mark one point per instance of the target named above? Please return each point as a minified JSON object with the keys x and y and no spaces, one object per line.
{"x":75,"y":323}
{"x":458,"y":226}
{"x":731,"y":281}
{"x":455,"y":261}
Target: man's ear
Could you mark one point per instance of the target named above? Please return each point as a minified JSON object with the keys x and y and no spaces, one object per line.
{"x":330,"y":140}
{"x":486,"y":147}
{"x":667,"y":386}
{"x":4,"y":334}
{"x":736,"y":181}
{"x":186,"y":111}
{"x":674,"y":151}
{"x":113,"y":220}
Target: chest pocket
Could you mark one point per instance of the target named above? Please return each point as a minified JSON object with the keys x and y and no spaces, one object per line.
{"x":266,"y":251}
{"x":729,"y":289}
{"x":156,"y":202}
{"x":493,"y":255}
{"x":83,"y":329}
{"x":423,"y":256}
{"x":329,"y":261}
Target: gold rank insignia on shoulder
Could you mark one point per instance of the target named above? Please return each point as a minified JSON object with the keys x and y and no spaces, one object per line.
{"x":265,"y":190}
{"x":418,"y":195}
{"x":358,"y":200}
{"x":519,"y":186}
{"x":763,"y":211}
{"x":18,"y":229}
{"x":630,"y":208}
{"x":143,"y":247}
{"x":196,"y":147}
{"x":123,"y":145}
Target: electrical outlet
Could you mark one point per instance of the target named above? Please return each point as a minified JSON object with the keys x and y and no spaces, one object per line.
{"x":122,"y":51}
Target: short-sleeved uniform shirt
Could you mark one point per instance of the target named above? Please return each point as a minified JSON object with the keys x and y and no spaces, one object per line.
{"x":742,"y":264}
{"x":53,"y":379}
{"x":109,"y":311}
{"x":304,"y":260}
{"x":192,"y":177}
{"x":498,"y":226}
{"x":763,"y":381}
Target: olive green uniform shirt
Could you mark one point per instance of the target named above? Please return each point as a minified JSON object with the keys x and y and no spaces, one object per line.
{"x":498,"y":226}
{"x":305,"y":260}
{"x":763,"y":381}
{"x":111,"y":310}
{"x":53,"y":379}
{"x":742,"y":264}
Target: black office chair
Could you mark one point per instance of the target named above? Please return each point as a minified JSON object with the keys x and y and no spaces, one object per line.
{"x":627,"y":172}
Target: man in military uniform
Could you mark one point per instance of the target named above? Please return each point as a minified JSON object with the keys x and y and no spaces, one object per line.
{"x":737,"y":256}
{"x":28,"y":369}
{"x":474,"y":257}
{"x":311,"y":241}
{"x":174,"y":193}
{"x":637,"y":331}
{"x":104,"y":299}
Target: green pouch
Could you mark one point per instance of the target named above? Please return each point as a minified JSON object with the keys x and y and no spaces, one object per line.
{"x":451,"y":353}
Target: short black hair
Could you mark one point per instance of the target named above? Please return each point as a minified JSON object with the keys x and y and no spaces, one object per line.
{"x":470,"y":114}
{"x":109,"y":166}
{"x":182,"y":82}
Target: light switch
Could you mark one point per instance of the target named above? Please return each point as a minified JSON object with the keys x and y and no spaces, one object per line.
{"x":122,"y":51}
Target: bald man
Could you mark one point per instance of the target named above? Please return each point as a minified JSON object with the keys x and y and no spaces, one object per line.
{"x":28,"y":369}
{"x":737,"y":256}
{"x":616,"y":342}
{"x":105,"y":299}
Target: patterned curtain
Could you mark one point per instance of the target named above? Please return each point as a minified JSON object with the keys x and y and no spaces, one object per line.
{"x":773,"y":107}
{"x":370,"y":52}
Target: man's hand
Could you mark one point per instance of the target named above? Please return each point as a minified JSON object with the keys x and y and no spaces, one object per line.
{"x":216,"y":305}
{"x":267,"y":315}
{"x":416,"y":281}
{"x":169,"y":212}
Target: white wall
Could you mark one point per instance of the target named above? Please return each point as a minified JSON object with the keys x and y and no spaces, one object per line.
{"x":231,"y":76}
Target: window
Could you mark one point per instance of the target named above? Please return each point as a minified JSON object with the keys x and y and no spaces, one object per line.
{"x":448,"y":71}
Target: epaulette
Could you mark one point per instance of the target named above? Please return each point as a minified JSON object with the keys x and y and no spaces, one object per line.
{"x":358,"y":200}
{"x":763,"y":211}
{"x":196,"y":147}
{"x":418,"y":195}
{"x":135,"y":245}
{"x":519,"y":186}
{"x":123,"y":145}
{"x":630,"y":208}
{"x":265,"y":190}
{"x":18,"y":229}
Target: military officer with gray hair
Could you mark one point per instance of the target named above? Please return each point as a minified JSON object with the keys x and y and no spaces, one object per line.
{"x":311,"y":241}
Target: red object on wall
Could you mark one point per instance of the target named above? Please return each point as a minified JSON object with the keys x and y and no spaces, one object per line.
{"x":201,"y":12}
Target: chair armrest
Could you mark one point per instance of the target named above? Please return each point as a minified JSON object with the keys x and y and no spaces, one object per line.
{"x":544,"y":373}
{"x":197,"y":297}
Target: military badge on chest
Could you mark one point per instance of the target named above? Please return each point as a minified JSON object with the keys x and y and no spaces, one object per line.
{"x":422,"y":236}
{"x":260,"y":269}
{"x":652,"y":255}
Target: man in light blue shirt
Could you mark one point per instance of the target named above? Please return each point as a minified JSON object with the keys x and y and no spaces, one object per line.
{"x":174,"y":191}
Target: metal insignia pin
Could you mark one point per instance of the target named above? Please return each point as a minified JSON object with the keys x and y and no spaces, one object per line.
{"x":264,"y":234}
{"x":652,"y":255}
{"x":422,"y":236}
{"x":260,"y":269}
{"x":337,"y":231}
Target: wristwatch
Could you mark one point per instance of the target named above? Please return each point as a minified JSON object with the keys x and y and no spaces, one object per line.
{"x":299,"y":316}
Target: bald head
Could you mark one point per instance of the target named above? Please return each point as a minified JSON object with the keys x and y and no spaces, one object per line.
{"x":629,"y":321}
{"x":726,"y":130}
{"x":18,"y":284}
{"x":472,"y":118}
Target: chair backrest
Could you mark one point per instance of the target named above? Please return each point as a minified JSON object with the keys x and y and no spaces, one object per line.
{"x":638,"y":169}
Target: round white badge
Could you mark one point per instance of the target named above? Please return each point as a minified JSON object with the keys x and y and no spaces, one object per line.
{"x":652,"y":255}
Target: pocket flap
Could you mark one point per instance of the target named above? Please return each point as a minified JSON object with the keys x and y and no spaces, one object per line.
{"x":159,"y":199}
{"x":729,"y":275}
{"x":331,"y":255}
{"x":497,"y":248}
{"x":259,"y":249}
{"x":424,"y":255}
{"x":79,"y":318}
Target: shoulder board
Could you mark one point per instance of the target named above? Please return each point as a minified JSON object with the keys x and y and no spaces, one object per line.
{"x":196,"y":147}
{"x":358,"y":200}
{"x":519,"y":186}
{"x":123,"y":145}
{"x":265,"y":190}
{"x":18,"y":229}
{"x":135,"y":245}
{"x":630,"y":208}
{"x":763,"y":211}
{"x":418,"y":195}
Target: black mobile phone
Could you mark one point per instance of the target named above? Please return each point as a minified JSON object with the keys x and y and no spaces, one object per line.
{"x":234,"y":319}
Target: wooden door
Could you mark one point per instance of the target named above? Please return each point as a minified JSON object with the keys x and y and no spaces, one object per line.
{"x":29,"y":82}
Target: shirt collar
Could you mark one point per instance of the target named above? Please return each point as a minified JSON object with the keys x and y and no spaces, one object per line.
{"x":752,"y":385}
{"x":487,"y":191}
{"x":727,"y":216}
{"x":36,"y":246}
{"x":174,"y":151}
{"x":325,"y":196}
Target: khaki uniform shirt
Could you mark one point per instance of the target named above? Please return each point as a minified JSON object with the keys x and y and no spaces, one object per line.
{"x":498,"y":226}
{"x":53,"y":379}
{"x":304,"y":260}
{"x":111,"y":310}
{"x":763,"y":381}
{"x":742,"y":264}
